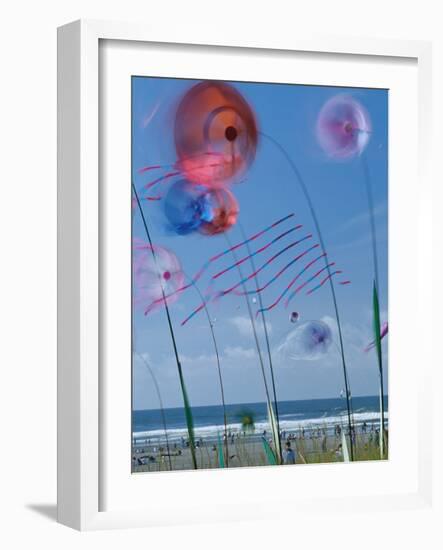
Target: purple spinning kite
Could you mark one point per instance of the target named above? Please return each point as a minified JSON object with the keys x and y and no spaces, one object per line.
{"x":343,"y":127}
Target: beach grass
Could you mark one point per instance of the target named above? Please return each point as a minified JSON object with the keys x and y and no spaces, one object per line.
{"x":304,"y":188}
{"x":186,"y":404}
{"x":250,"y":451}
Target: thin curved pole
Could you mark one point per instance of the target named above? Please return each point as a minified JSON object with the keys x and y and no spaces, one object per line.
{"x":171,"y":332}
{"x":162,"y":409}
{"x":217,"y":355}
{"x":331,"y":283}
{"x":265,"y":329}
{"x":254,"y":330}
{"x":370,"y":200}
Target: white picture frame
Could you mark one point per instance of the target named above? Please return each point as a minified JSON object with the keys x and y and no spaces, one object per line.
{"x":82,"y":409}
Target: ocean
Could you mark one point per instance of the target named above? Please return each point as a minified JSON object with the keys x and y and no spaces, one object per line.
{"x":293,"y":415}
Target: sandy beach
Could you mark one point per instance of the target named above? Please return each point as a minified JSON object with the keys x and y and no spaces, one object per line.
{"x":247,"y":449}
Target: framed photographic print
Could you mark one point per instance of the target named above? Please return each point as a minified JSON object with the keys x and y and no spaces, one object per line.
{"x":232,"y":269}
{"x":235,"y":273}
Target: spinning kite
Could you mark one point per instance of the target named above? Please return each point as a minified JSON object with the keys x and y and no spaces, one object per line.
{"x":215,"y":135}
{"x":309,"y":341}
{"x":343,"y":127}
{"x":157,"y":274}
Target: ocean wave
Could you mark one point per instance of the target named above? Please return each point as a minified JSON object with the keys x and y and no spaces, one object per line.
{"x":211,"y":432}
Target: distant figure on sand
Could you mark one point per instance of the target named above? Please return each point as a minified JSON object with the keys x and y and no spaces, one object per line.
{"x":288,"y":454}
{"x":339,"y":452}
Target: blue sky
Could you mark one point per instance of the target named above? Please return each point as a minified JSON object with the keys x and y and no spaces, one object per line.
{"x":287,"y":113}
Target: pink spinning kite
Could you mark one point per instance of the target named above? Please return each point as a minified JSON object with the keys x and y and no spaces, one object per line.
{"x":343,"y":127}
{"x":157,"y":275}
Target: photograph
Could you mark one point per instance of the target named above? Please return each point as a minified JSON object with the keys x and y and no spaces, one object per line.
{"x":259,"y":274}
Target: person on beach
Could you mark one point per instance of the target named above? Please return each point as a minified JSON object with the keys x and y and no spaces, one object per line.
{"x":288,"y":454}
{"x":339,"y":452}
{"x":353,"y":434}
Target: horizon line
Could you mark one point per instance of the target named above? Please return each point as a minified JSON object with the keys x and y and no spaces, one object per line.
{"x":258,"y":402}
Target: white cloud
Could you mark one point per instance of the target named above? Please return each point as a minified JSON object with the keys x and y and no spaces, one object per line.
{"x":201,"y":360}
{"x":229,"y":354}
{"x":237,"y":352}
{"x":142,"y":357}
{"x":362,"y":219}
{"x":244,"y":325}
{"x":357,"y":227}
{"x":360,"y":242}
